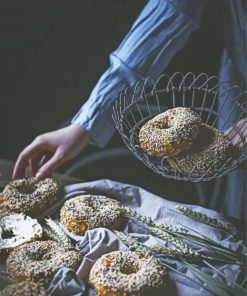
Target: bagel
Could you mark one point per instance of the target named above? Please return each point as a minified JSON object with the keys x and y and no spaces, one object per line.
{"x":38,"y":261}
{"x":85,"y":212}
{"x":29,"y":196}
{"x":170,"y":132}
{"x":25,"y":288}
{"x":127,"y":274}
{"x":206,"y":156}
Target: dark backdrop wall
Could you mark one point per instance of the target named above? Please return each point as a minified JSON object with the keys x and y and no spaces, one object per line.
{"x":52,"y":53}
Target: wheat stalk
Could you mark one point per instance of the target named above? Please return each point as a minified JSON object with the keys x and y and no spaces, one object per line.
{"x":209,"y":283}
{"x":204,"y":218}
{"x":49,"y":233}
{"x":171,"y":239}
{"x":143,"y":219}
{"x":176,"y":236}
{"x":138,"y":247}
{"x":170,"y":228}
{"x":133,"y":244}
{"x":148,"y":221}
{"x":159,"y":230}
{"x":56,"y":232}
{"x":174,"y":252}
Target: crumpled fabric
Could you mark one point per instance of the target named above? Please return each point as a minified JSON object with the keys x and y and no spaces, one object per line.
{"x":67,"y":283}
{"x":100,"y":241}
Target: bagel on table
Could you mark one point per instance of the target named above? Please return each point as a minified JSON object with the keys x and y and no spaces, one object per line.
{"x":25,"y":288}
{"x":84,"y":212}
{"x":127,"y":274}
{"x":29,"y":196}
{"x":38,"y":261}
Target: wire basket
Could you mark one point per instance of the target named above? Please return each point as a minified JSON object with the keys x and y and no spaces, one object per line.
{"x":218,"y":104}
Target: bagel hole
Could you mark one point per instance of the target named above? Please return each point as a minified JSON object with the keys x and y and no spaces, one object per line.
{"x":163,"y":125}
{"x":36,"y":258}
{"x":41,"y":256}
{"x":27,"y":189}
{"x":129,"y":269}
{"x":93,"y":205}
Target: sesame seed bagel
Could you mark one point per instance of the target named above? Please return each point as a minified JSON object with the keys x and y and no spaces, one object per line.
{"x":127,"y":274}
{"x":85,"y":212}
{"x":170,"y":132}
{"x":29,"y":196}
{"x":38,"y":261}
{"x":207,"y":155}
{"x":25,"y":288}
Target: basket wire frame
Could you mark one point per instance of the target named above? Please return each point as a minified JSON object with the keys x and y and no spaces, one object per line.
{"x":204,"y":94}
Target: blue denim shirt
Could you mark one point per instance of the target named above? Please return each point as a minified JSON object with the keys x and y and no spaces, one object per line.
{"x":160,"y":31}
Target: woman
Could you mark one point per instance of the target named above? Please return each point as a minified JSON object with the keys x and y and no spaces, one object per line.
{"x":160,"y":31}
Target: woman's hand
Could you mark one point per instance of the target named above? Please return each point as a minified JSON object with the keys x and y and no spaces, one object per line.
{"x":48,"y":151}
{"x":238,"y":133}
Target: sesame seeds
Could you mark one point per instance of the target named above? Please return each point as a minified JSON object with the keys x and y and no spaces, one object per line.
{"x":127,"y":273}
{"x":90,"y":211}
{"x":25,"y":288}
{"x":191,"y":147}
{"x":29,"y":196}
{"x":38,"y":261}
{"x":207,"y":155}
{"x":170,"y":132}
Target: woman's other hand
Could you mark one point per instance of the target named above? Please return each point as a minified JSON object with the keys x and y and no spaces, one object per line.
{"x":238,"y":133}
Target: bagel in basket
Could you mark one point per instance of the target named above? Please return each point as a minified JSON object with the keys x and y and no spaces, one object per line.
{"x":170,"y":132}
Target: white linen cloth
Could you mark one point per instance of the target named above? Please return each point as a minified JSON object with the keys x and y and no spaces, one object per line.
{"x":99,"y":241}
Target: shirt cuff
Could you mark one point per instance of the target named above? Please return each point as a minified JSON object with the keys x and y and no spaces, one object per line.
{"x":95,"y":116}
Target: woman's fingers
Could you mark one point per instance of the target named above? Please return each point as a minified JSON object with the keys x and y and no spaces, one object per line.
{"x":37,"y":162}
{"x":46,"y":170}
{"x":22,"y":160}
{"x":30,"y":152}
{"x":238,"y":133}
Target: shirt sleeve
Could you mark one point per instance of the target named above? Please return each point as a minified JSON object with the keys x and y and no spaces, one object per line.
{"x":160,"y":31}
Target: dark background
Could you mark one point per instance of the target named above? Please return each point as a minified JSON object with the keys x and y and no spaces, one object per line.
{"x":53,"y":52}
{"x":51,"y":55}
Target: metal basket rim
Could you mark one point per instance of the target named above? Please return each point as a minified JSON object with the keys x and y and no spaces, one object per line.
{"x":120,"y":108}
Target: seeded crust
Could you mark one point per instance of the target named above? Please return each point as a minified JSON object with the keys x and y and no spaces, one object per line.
{"x":29,"y":196}
{"x":207,"y":155}
{"x":25,"y":288}
{"x":170,"y":132}
{"x":38,"y":261}
{"x":85,"y":212}
{"x":127,"y":274}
